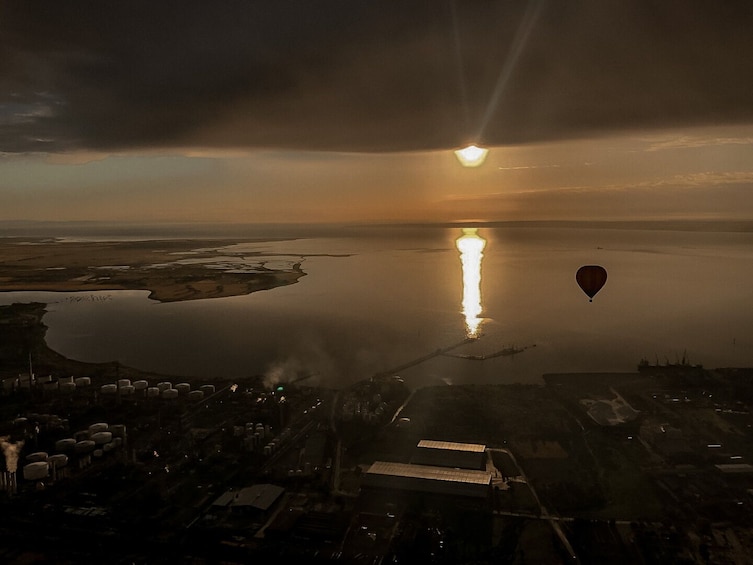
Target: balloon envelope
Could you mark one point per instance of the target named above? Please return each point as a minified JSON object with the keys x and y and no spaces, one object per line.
{"x":591,"y":278}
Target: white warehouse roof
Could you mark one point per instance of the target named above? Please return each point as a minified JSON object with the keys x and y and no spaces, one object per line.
{"x":452,"y":446}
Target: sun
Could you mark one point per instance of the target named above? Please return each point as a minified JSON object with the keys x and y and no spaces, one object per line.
{"x":471,"y":156}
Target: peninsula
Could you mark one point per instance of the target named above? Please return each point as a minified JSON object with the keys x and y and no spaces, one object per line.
{"x":171,"y":270}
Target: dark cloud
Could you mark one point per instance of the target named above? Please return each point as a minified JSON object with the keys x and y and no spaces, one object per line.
{"x":363,"y":75}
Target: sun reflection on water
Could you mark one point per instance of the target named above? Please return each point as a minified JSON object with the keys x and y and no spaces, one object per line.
{"x":471,"y":247}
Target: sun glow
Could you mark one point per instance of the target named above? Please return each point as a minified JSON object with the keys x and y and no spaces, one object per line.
{"x":471,"y":156}
{"x":471,"y":247}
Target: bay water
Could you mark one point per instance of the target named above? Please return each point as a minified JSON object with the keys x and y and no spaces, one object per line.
{"x":384,"y":299}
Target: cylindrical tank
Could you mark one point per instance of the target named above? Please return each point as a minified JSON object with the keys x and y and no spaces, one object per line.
{"x":207,"y":389}
{"x":109,"y":389}
{"x":127,"y":390}
{"x":108,"y":447}
{"x":164,"y":385}
{"x":195,"y":395}
{"x":83,"y":381}
{"x":152,"y":392}
{"x":37,"y":456}
{"x":66,"y":379}
{"x":67,"y":387}
{"x":101,"y":438}
{"x":81,"y":435}
{"x":65,"y":444}
{"x":117,"y":441}
{"x":118,"y":430}
{"x":140,"y":385}
{"x":124,"y":382}
{"x":98,"y":427}
{"x":37,"y":470}
{"x":84,"y":446}
{"x":183,"y":388}
{"x":170,"y":393}
{"x":58,"y":460}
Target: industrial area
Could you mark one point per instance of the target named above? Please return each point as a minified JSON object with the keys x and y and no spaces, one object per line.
{"x":103,"y":463}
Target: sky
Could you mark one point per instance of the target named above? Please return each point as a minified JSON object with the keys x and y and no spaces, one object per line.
{"x":349,"y":111}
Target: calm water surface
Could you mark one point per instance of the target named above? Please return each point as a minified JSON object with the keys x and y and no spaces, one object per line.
{"x":384,"y":297}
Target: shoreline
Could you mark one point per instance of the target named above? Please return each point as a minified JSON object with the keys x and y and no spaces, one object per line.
{"x":171,"y":270}
{"x":24,"y":343}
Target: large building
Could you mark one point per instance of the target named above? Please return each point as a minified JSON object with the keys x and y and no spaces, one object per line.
{"x":427,"y":479}
{"x":437,"y":467}
{"x":450,"y":454}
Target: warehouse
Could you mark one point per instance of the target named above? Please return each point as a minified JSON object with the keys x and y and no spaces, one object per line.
{"x":450,"y":454}
{"x":427,"y":479}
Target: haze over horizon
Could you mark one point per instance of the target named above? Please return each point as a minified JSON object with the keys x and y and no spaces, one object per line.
{"x":345,"y":111}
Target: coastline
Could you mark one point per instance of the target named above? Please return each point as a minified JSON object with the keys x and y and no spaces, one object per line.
{"x":23,"y":344}
{"x":171,"y":270}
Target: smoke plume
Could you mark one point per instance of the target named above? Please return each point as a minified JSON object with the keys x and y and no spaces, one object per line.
{"x":11,"y":452}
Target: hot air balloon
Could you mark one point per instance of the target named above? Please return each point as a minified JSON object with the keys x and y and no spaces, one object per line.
{"x":590,"y":279}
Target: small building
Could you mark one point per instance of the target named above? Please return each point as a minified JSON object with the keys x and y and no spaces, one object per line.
{"x":256,"y":500}
{"x":735,"y":468}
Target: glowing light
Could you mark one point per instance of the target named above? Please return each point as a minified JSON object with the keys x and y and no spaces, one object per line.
{"x":471,"y":247}
{"x":471,"y":156}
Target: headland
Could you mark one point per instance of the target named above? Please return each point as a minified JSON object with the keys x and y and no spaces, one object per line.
{"x":171,"y":270}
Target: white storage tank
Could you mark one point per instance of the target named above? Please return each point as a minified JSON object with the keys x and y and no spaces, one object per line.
{"x":207,"y":389}
{"x":124,"y":382}
{"x":140,"y":385}
{"x":81,"y":435}
{"x":101,"y":438}
{"x":183,"y":388}
{"x":37,"y":456}
{"x":50,"y":386}
{"x":67,"y":387}
{"x":36,"y":471}
{"x":195,"y":395}
{"x":66,"y":379}
{"x":127,"y":390}
{"x":164,"y":385}
{"x":109,"y":389}
{"x":152,"y":392}
{"x":65,"y":444}
{"x":98,"y":427}
{"x":83,"y":381}
{"x":108,"y":447}
{"x":170,"y":393}
{"x":58,"y":460}
{"x":84,"y":446}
